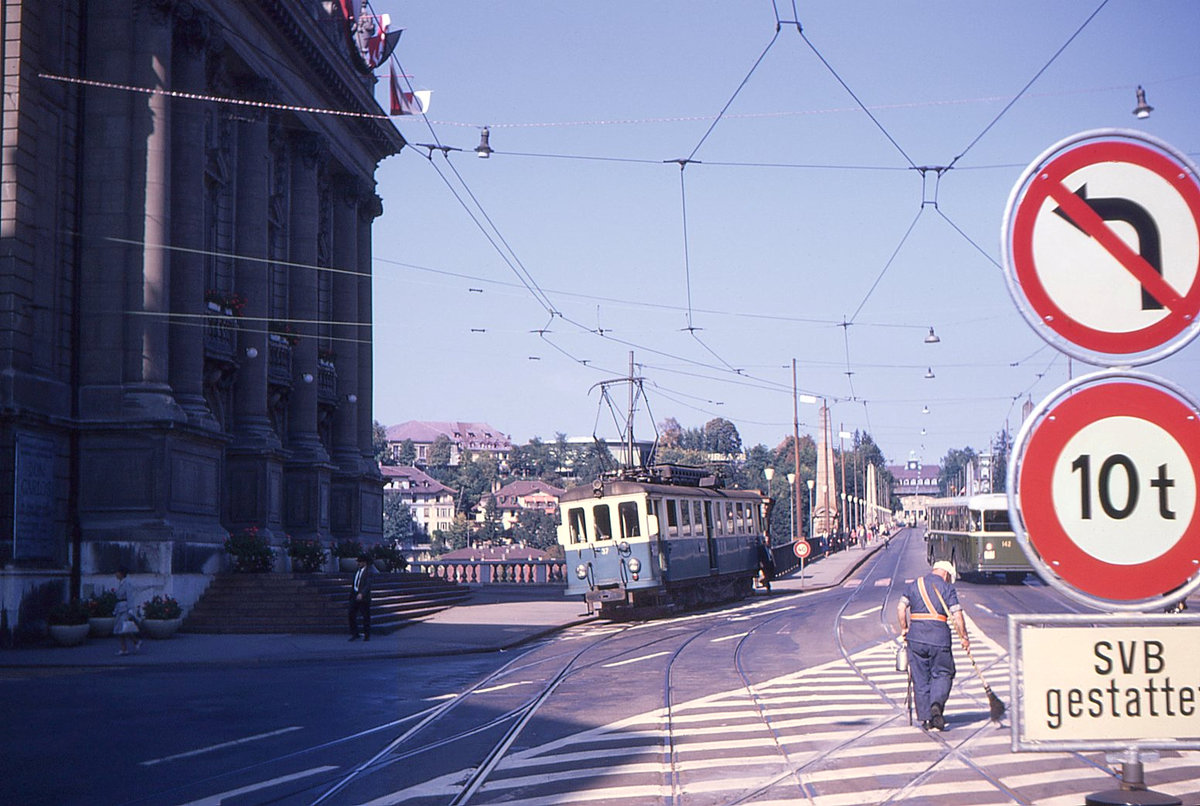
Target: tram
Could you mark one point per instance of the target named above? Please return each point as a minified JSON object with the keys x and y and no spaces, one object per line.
{"x":974,"y":534}
{"x":665,"y":536}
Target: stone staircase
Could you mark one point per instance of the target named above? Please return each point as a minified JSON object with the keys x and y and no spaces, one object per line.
{"x":315,"y":603}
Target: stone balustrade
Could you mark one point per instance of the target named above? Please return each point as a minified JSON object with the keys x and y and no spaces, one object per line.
{"x":495,"y":572}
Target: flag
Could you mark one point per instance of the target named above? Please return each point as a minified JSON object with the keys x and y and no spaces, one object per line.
{"x":350,"y":9}
{"x":408,"y":103}
{"x":388,"y":44}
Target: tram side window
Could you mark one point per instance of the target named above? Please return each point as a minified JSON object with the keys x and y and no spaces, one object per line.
{"x":685,"y":517}
{"x":627,"y":512}
{"x":698,"y":516}
{"x":740,"y":518}
{"x":672,"y":517}
{"x":603,"y":521}
{"x":996,"y":520}
{"x":577,"y":522}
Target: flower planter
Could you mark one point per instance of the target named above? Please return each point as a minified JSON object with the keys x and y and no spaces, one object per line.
{"x":69,"y":634}
{"x":159,"y":628}
{"x":101,"y":626}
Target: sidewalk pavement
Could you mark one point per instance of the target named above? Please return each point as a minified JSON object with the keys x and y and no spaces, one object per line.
{"x":494,"y":619}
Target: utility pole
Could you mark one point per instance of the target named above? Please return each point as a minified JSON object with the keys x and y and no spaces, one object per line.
{"x":796,"y":446}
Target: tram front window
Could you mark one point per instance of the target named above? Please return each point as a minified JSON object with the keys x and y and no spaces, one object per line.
{"x":577,"y":522}
{"x":996,"y":521}
{"x":627,"y":512}
{"x":603,"y":521}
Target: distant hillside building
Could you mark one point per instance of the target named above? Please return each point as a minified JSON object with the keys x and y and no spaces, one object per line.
{"x":915,"y":483}
{"x":517,"y":496}
{"x":430,"y":501}
{"x":475,"y":438}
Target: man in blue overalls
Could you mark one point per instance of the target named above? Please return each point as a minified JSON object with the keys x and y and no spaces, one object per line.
{"x":924,"y":612}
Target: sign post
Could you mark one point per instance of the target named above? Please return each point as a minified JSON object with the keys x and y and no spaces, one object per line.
{"x":801,"y":548}
{"x":1101,"y":241}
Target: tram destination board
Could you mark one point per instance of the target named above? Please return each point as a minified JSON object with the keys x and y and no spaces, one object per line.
{"x":1094,"y":682}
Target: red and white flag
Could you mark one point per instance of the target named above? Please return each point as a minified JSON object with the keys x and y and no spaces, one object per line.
{"x":408,"y":103}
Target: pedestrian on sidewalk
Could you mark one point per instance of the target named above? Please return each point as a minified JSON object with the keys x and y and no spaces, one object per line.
{"x":360,"y":599}
{"x":924,"y":613}
{"x":766,"y":563}
{"x":125,"y":626}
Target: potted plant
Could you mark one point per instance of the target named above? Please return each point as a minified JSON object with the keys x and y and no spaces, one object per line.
{"x":307,"y":555}
{"x":69,"y":623}
{"x":101,"y":609}
{"x":388,"y":558}
{"x":347,"y":551}
{"x":251,"y":551}
{"x":160,"y":617}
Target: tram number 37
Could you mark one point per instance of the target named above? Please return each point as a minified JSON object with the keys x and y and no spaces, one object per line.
{"x":1121,"y":465}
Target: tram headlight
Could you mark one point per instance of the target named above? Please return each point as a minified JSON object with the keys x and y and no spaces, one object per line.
{"x":635,"y":565}
{"x":581,"y":571}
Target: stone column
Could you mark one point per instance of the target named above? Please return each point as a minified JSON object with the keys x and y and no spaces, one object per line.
{"x":252,"y":423}
{"x":370,"y":496}
{"x":346,"y":315}
{"x":308,"y":153}
{"x":147,"y":394}
{"x":370,"y":209}
{"x":187,"y":217}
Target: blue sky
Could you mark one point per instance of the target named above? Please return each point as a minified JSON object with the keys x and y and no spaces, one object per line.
{"x":802,"y":212}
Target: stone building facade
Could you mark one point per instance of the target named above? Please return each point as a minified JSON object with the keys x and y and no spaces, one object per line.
{"x":185,"y":289}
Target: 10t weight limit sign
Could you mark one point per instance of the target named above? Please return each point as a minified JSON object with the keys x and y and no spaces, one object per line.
{"x":1105,"y":490}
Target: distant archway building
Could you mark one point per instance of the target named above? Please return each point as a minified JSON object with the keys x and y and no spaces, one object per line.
{"x":185,"y":282}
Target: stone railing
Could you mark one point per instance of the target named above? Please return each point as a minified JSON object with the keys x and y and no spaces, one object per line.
{"x":495,"y":572}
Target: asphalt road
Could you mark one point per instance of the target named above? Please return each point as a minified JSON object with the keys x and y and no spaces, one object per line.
{"x":791,"y":698}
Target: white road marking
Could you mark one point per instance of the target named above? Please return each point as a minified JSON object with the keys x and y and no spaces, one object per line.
{"x":985,"y":608}
{"x":500,"y":687}
{"x":441,"y":697}
{"x":728,"y":637}
{"x":634,"y":660}
{"x":219,"y":798}
{"x":881,"y":583}
{"x":220,"y":746}
{"x":866,"y":612}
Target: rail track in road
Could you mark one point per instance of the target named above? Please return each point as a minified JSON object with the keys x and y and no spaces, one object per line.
{"x":781,"y":700}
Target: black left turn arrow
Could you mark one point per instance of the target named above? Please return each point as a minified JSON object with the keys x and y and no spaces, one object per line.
{"x":1138,"y":217}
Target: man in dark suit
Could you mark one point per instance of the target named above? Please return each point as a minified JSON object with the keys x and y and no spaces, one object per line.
{"x":360,"y":599}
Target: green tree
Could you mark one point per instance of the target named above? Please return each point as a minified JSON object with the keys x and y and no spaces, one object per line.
{"x":398,"y":524}
{"x":407,"y":455}
{"x":721,"y":436}
{"x":379,"y":443}
{"x":953,"y":470}
{"x":440,"y":451}
{"x":458,"y":536}
{"x":536,"y":528}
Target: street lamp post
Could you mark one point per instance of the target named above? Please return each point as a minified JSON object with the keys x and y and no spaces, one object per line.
{"x":791,"y":477}
{"x":769,"y":472}
{"x":811,"y":485}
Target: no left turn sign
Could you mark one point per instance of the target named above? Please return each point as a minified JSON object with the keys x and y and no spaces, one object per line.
{"x":1102,"y":247}
{"x":1104,"y":490}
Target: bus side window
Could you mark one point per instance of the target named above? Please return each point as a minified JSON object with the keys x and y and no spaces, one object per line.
{"x":627,"y":513}
{"x":603,"y":521}
{"x":577,"y":521}
{"x":672,"y":518}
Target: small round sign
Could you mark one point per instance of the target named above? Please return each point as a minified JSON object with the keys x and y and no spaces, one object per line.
{"x":1104,"y":491}
{"x":802,"y":548}
{"x":1101,"y":243}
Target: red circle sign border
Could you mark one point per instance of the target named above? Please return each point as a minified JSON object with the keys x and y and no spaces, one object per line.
{"x":1065,"y":159}
{"x":1046,"y":533}
{"x":802,"y":549}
